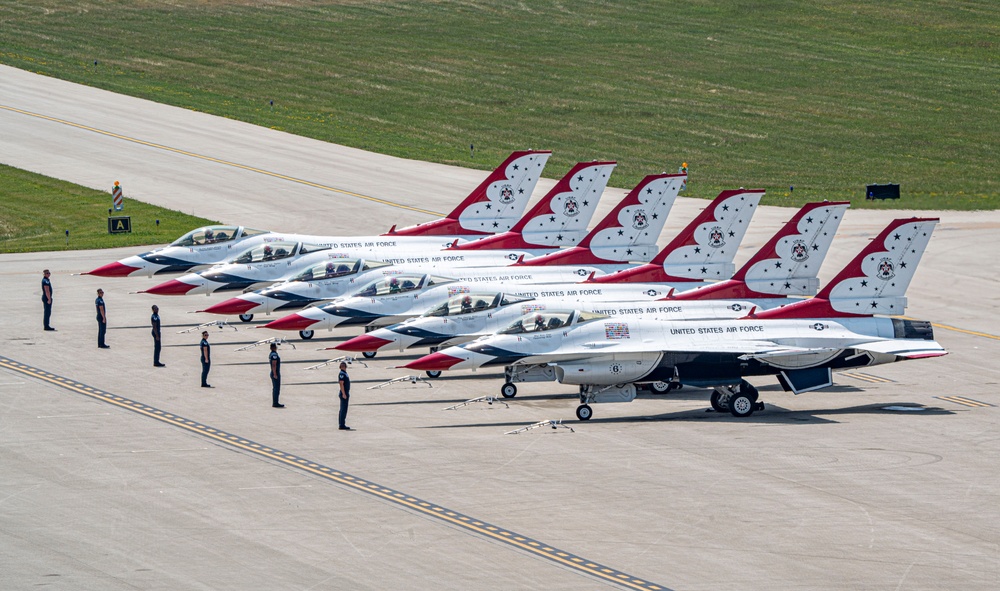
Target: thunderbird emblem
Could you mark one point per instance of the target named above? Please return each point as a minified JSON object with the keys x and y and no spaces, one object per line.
{"x":800,"y":251}
{"x":571,"y":208}
{"x":639,"y":221}
{"x":506,"y":194}
{"x":886,"y":270}
{"x":716,"y":238}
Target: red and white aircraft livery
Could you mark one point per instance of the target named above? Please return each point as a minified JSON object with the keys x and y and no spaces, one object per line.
{"x":560,"y":218}
{"x":495,"y":205}
{"x":704,"y":251}
{"x":659,"y":193}
{"x":801,"y":343}
{"x":787,"y":264}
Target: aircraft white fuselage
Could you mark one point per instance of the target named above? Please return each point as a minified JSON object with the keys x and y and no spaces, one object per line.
{"x":388,"y":309}
{"x":613,"y":351}
{"x":445,"y":331}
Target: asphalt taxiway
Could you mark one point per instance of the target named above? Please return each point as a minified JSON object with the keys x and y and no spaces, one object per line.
{"x":118,"y":475}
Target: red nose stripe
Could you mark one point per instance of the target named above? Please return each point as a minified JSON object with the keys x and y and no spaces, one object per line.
{"x":433,"y":362}
{"x":363,"y":343}
{"x":230,"y":306}
{"x":291,"y":322}
{"x":172,"y":287}
{"x":115,"y":269}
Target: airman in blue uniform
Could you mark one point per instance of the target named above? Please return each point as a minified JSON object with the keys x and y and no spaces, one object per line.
{"x":206,"y":359}
{"x":154,"y":320}
{"x":46,"y":299}
{"x":345,"y":395}
{"x":102,"y":320}
{"x":275,"y":362}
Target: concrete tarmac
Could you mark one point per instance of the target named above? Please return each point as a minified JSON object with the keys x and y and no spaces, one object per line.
{"x":841,"y":488}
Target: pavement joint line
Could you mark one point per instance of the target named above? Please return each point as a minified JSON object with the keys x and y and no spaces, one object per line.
{"x":462,"y":522}
{"x":218,"y":161}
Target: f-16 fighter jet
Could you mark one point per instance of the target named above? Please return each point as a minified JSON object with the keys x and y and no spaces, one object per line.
{"x":801,"y":343}
{"x":494,"y":206}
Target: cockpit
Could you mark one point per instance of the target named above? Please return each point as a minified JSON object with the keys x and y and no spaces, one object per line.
{"x":272,"y":251}
{"x":215,"y":235}
{"x":401,"y":283}
{"x":468,"y":303}
{"x":543,"y":320}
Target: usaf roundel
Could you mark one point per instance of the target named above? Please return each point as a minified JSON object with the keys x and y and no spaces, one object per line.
{"x":818,"y":326}
{"x":639,"y":220}
{"x":512,"y":256}
{"x":716,"y":239}
{"x":800,"y":251}
{"x":506,"y":194}
{"x":886,"y":270}
{"x":571,"y":208}
{"x":581,"y":272}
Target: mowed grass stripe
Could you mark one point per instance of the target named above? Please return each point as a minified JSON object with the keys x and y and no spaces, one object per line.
{"x":825,"y":97}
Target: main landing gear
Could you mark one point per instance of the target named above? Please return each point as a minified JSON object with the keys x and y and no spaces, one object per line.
{"x":740,"y":400}
{"x":306,"y":334}
{"x":246,"y":317}
{"x":663,"y":387}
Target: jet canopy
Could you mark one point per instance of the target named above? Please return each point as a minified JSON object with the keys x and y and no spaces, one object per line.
{"x":542,"y":320}
{"x":399,"y":284}
{"x":271,"y":251}
{"x":215,"y":235}
{"x":466,"y":303}
{"x":337,"y":268}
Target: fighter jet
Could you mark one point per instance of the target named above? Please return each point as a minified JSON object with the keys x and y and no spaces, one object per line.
{"x":398,"y":297}
{"x":633,"y":224}
{"x":495,"y":205}
{"x":786,"y":265}
{"x":801,"y":343}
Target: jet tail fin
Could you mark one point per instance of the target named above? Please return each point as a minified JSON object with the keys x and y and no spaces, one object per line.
{"x":495,"y":205}
{"x":788,"y":264}
{"x":705,"y":249}
{"x":560,"y":218}
{"x":629,"y":231}
{"x":875,"y":281}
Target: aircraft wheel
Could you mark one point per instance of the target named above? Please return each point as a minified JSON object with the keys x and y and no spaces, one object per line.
{"x":433,"y":373}
{"x":584,"y":412}
{"x":719,"y":402}
{"x":660,"y":387}
{"x":306,"y":334}
{"x":508,"y":390}
{"x":740,"y":405}
{"x":748,"y":389}
{"x":372,"y":354}
{"x":246,"y":317}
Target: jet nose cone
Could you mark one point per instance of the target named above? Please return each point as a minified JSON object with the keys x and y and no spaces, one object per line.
{"x":231,"y":306}
{"x":363,"y":343}
{"x":434,"y":362}
{"x":115,"y":269}
{"x":172,"y":287}
{"x":291,"y":322}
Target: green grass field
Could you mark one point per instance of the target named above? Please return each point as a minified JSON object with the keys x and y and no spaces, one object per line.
{"x":825,"y":96}
{"x":36,"y":211}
